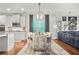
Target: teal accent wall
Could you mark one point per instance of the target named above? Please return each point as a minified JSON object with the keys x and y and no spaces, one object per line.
{"x":38,"y":25}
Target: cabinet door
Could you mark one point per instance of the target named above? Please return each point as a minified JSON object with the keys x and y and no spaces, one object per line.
{"x":3,"y":43}
{"x":10,"y":41}
{"x":19,"y":36}
{"x":22,"y":21}
{"x":15,"y":18}
{"x":16,"y":36}
{"x":22,"y":35}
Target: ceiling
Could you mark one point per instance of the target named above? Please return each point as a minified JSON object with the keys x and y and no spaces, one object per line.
{"x":35,"y":5}
{"x":45,"y":7}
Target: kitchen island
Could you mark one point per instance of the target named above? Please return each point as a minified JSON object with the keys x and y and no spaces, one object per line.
{"x":6,"y":41}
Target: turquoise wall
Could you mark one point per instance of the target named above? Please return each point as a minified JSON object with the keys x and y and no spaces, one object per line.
{"x":38,"y":25}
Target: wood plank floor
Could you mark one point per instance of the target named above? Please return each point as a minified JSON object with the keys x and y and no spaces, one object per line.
{"x":18,"y":46}
{"x":68,"y":48}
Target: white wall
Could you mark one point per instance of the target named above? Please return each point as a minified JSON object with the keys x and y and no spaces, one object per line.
{"x":57,"y":16}
{"x":55,"y":11}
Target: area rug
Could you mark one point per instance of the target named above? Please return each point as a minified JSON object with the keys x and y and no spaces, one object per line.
{"x":55,"y":50}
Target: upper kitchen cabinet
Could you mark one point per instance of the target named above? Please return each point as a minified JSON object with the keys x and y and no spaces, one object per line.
{"x":23,"y":20}
{"x":2,"y":19}
{"x":16,"y":18}
{"x":11,"y":19}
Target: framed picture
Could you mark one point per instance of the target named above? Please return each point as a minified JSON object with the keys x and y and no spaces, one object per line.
{"x":72,"y":22}
{"x":63,"y":18}
{"x":59,"y":25}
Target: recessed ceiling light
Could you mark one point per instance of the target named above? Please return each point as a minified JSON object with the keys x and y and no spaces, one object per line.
{"x":22,"y":9}
{"x":8,"y":9}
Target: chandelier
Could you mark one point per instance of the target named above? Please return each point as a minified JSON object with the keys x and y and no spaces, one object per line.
{"x":39,"y":14}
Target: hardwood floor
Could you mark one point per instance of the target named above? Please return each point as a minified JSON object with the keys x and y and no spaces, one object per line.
{"x":68,"y":48}
{"x":18,"y":46}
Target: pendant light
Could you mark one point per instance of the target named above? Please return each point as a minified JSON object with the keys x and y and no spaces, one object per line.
{"x":39,"y":14}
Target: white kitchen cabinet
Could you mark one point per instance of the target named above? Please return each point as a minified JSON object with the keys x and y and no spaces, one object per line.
{"x":6,"y":42}
{"x":11,"y":19}
{"x":18,"y":36}
{"x":8,"y":21}
{"x":15,"y":18}
{"x":2,"y":19}
{"x":22,"y":21}
{"x":10,"y":41}
{"x":3,"y":43}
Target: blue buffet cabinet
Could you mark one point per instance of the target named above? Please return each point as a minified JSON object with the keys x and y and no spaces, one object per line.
{"x":69,"y":37}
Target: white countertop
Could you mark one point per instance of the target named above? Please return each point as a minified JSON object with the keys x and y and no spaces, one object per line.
{"x":2,"y":35}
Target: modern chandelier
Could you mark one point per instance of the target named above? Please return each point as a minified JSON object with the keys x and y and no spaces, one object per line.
{"x":39,"y":14}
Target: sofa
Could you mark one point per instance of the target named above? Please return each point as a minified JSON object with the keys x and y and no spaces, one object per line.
{"x":69,"y":37}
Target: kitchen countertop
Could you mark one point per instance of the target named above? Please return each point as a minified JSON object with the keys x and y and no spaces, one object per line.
{"x":2,"y":35}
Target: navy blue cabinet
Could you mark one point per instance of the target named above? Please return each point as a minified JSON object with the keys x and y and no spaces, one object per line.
{"x":69,"y":37}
